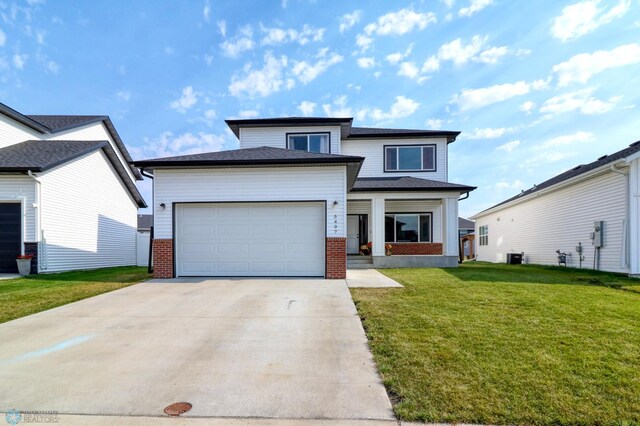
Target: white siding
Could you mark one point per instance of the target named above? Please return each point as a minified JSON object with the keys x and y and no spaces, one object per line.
{"x":92,"y":132}
{"x":253,"y":137}
{"x":558,"y":221}
{"x":89,"y":219}
{"x":251,"y":184}
{"x":402,"y":206}
{"x":12,"y":132}
{"x":21,"y":189}
{"x":373,"y":151}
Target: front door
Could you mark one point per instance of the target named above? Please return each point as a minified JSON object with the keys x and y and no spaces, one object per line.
{"x":353,"y":234}
{"x":10,"y":236}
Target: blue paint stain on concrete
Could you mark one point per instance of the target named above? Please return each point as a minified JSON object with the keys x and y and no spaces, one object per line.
{"x":51,"y":349}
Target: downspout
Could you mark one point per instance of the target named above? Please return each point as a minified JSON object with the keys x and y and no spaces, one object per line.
{"x":150,"y":260}
{"x":466,"y":195}
{"x":625,"y":243}
{"x":39,"y":233}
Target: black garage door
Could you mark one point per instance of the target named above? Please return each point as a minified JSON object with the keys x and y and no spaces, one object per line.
{"x":10,"y":232}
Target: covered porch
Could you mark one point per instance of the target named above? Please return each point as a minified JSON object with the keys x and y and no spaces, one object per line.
{"x":404,"y":229}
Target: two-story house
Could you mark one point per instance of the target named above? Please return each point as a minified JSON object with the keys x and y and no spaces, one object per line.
{"x":68,"y":193}
{"x":300,"y":195}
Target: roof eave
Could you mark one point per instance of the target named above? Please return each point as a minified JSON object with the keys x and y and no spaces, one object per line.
{"x":463,"y":189}
{"x":220,"y":163}
{"x":23,"y":119}
{"x":450,"y":136}
{"x":236,"y":124}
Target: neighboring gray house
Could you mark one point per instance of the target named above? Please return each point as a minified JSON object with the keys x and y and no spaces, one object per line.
{"x":593,"y":208}
{"x":300,"y":194}
{"x":68,"y":193}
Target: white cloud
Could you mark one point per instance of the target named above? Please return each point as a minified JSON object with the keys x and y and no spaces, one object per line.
{"x":581,"y":100}
{"x":527,"y":107}
{"x":476,"y":98}
{"x":434,"y":123}
{"x":492,"y":55}
{"x":206,"y":11}
{"x":168,"y":145}
{"x":307,"y":72}
{"x":402,"y":107}
{"x":396,"y":57}
{"x":579,"y":137}
{"x":516,"y":184}
{"x":242,"y":42}
{"x":307,"y":108}
{"x":222,"y":27}
{"x":249,"y":113}
{"x":124,"y":95}
{"x":408,"y":69}
{"x":188,"y":99}
{"x":583,"y":17}
{"x":275,"y":36}
{"x":19,"y":60}
{"x":169,"y":50}
{"x":432,"y":64}
{"x":366,"y":62}
{"x":338,"y":108}
{"x":580,"y":68}
{"x":363,"y":41}
{"x":474,"y":7}
{"x":458,"y":53}
{"x":260,"y":82}
{"x":210,"y":114}
{"x":448,"y":3}
{"x":490,"y":133}
{"x":53,"y":67}
{"x":509,"y":146}
{"x":400,"y":22}
{"x":348,"y":20}
{"x":3,"y":38}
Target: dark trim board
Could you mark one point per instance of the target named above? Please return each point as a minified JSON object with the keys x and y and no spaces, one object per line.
{"x":174,"y":206}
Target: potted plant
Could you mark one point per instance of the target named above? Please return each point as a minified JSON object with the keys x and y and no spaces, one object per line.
{"x":387,"y":248}
{"x":24,"y":264}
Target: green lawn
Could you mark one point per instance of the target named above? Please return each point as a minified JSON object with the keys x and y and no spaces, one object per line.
{"x":502,"y":344}
{"x":25,"y":296}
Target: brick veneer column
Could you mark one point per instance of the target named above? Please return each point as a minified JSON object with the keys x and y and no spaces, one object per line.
{"x":163,"y":258}
{"x":336,"y":258}
{"x":416,"y":248}
{"x":32,"y":249}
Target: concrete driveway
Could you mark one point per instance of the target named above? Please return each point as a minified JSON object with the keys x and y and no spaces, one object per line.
{"x":289,"y":349}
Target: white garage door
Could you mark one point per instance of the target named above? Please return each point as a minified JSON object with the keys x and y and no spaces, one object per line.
{"x":250,"y":239}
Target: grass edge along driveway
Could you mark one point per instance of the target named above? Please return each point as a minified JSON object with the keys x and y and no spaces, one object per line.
{"x":35,"y":293}
{"x":506,"y":344}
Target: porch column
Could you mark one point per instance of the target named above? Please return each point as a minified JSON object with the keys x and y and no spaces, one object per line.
{"x":377,"y":226}
{"x":634,"y":218}
{"x":450,"y":226}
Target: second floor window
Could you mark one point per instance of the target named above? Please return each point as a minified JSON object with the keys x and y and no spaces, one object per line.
{"x":484,"y":235}
{"x":418,"y":158}
{"x":312,"y":142}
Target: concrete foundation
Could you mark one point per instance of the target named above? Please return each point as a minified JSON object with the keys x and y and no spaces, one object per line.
{"x":382,"y":262}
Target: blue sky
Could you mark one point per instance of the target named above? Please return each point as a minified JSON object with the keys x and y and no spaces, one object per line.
{"x":534,"y":90}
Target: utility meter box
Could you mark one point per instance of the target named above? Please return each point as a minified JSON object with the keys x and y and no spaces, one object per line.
{"x":597,"y":236}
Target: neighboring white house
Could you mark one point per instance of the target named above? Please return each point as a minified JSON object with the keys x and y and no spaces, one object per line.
{"x":67,"y":193}
{"x":594,"y":206}
{"x":302,"y":193}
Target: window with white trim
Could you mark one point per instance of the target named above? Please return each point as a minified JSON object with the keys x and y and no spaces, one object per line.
{"x":407,"y":227}
{"x":312,"y":142}
{"x":483,"y":234}
{"x":407,"y":158}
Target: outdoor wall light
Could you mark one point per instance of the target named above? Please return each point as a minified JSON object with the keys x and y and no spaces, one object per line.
{"x":163,"y":206}
{"x":335,"y":203}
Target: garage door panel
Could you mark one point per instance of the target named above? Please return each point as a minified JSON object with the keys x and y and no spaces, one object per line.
{"x":195,"y":232}
{"x":198,"y":268}
{"x":262,"y":239}
{"x":233,"y":230}
{"x":232,"y":249}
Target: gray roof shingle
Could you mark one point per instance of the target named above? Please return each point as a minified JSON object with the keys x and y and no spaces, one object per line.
{"x":574,"y":172}
{"x":259,"y":155}
{"x":57,"y":123}
{"x":373,"y":132}
{"x":466,"y":223}
{"x":39,"y":156}
{"x":407,"y":183}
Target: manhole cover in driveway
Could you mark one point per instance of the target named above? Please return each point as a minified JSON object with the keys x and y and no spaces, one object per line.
{"x":177,"y":408}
